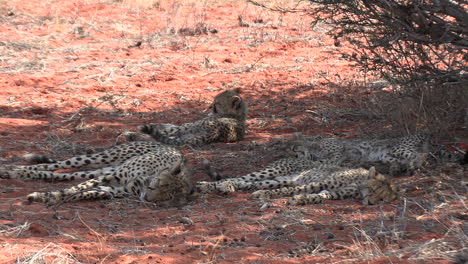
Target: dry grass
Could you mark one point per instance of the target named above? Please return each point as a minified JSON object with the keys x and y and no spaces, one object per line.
{"x":14,"y":231}
{"x":50,"y":254}
{"x":300,"y":92}
{"x":438,"y":110}
{"x":434,"y":211}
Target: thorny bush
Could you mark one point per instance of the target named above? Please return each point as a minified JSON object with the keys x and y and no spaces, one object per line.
{"x":419,"y":44}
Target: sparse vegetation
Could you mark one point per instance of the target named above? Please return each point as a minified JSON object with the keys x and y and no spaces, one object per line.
{"x":419,"y":46}
{"x":75,"y":74}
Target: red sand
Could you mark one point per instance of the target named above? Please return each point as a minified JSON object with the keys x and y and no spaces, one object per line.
{"x":71,"y":74}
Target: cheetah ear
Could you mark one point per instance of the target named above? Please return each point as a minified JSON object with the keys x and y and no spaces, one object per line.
{"x":237,"y":90}
{"x":372,"y":172}
{"x":236,"y":102}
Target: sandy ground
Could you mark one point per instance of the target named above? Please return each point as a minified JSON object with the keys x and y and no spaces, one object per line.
{"x":75,"y":74}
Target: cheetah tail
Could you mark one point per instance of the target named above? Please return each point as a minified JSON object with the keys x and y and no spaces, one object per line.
{"x":36,"y":158}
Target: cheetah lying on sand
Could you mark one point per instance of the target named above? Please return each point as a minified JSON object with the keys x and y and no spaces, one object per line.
{"x":400,"y":154}
{"x":226,"y":123}
{"x":309,"y":182}
{"x":328,"y":168}
{"x":149,"y":171}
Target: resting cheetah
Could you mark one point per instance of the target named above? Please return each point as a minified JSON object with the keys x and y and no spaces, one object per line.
{"x":309,"y":182}
{"x":150,"y":171}
{"x":401,"y":153}
{"x":330,"y":182}
{"x":225,"y":124}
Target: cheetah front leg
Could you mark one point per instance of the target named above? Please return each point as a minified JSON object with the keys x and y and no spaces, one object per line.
{"x":308,"y":193}
{"x":349,"y":192}
{"x":225,"y":186}
{"x":237,"y":184}
{"x":262,"y":179}
{"x":100,"y":192}
{"x":65,"y":194}
{"x":264,"y":185}
{"x":310,"y":198}
{"x":313,"y":187}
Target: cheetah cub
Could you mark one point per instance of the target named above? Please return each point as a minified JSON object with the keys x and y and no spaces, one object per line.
{"x":329,"y":182}
{"x":397,"y":155}
{"x":309,"y":182}
{"x":226,"y":123}
{"x":149,"y":171}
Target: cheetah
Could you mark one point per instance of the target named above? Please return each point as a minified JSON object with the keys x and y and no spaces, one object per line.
{"x":278,"y":168}
{"x":149,"y":171}
{"x":226,"y":123}
{"x":330,"y":182}
{"x":400,"y":154}
{"x":309,"y":182}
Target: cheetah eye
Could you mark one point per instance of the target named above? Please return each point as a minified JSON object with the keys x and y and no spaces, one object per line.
{"x":297,"y":149}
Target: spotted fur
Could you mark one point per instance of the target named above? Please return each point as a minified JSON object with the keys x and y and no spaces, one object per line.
{"x":309,"y":182}
{"x":225,"y":124}
{"x":149,"y":171}
{"x":279,"y":168}
{"x":401,"y":154}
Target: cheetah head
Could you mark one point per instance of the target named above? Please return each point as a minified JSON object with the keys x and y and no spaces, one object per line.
{"x":378,"y":188}
{"x":302,"y":147}
{"x":172,"y":187}
{"x":230,"y":103}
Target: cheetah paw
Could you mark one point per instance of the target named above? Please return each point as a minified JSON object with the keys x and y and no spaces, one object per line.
{"x":303,"y":199}
{"x":227,"y":187}
{"x":209,"y":187}
{"x":42,"y":197}
{"x":294,"y":200}
{"x":36,"y":197}
{"x":262,"y":194}
{"x":204,"y":187}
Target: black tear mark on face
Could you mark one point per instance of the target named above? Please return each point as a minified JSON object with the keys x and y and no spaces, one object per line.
{"x":177,"y":170}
